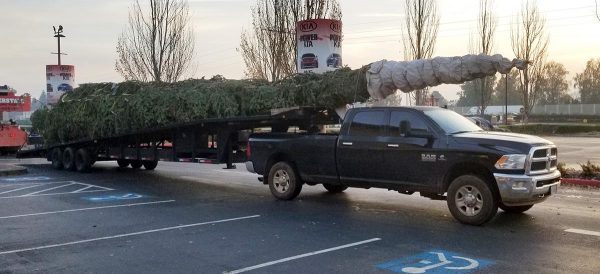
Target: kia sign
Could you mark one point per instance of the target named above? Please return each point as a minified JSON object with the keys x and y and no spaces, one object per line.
{"x":319,"y":45}
{"x":59,"y":79}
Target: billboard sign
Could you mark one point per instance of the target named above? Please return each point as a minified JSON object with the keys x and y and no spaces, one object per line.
{"x":59,"y":79}
{"x":319,"y":45}
{"x":11,"y":102}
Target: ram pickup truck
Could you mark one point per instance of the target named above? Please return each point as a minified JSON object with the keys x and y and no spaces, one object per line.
{"x":430,"y":150}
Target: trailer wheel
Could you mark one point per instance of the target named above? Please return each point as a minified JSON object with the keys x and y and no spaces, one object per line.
{"x":123,"y":163}
{"x":150,"y":165}
{"x":471,"y":201}
{"x":136,"y":164}
{"x":515,"y":209}
{"x":56,"y":158}
{"x":83,"y":161}
{"x":283,"y":181}
{"x":334,"y":188}
{"x":68,"y":158}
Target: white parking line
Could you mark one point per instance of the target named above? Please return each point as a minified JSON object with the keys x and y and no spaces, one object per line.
{"x":584,"y":232}
{"x":13,"y":190}
{"x":126,"y":235}
{"x":84,"y":209}
{"x":48,"y":189}
{"x":301,"y":256}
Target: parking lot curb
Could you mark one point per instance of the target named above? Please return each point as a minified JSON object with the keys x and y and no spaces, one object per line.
{"x":580,"y":182}
{"x":9,"y":170}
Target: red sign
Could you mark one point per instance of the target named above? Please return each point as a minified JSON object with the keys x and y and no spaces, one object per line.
{"x":12,"y":102}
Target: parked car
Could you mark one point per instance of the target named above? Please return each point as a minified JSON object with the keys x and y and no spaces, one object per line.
{"x":309,"y":60}
{"x":485,"y":124}
{"x":334,"y":60}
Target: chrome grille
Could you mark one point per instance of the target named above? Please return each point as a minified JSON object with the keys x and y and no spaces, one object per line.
{"x":542,"y":160}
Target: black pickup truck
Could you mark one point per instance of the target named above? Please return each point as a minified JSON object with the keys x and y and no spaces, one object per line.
{"x":433,"y":151}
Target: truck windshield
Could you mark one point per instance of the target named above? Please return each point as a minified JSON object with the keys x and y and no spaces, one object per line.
{"x":451,"y":122}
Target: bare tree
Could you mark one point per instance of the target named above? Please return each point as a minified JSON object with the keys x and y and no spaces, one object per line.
{"x":420,"y":31}
{"x":269,"y":47}
{"x":530,"y":42}
{"x":158,"y":44}
{"x":486,"y":30}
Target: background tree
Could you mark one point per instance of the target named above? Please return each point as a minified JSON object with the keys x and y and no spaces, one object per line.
{"x":588,"y":82}
{"x":514,"y":90}
{"x":470,"y":94}
{"x":269,"y":47}
{"x":420,"y":29}
{"x":486,"y":30}
{"x":529,"y":42}
{"x":158,"y":44}
{"x":553,"y":84}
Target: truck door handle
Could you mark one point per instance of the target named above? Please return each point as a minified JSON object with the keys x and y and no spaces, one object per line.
{"x":347,"y":143}
{"x":393,"y":145}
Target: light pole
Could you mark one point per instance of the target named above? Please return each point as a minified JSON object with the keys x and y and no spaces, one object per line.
{"x":58,"y":35}
{"x":506,"y":99}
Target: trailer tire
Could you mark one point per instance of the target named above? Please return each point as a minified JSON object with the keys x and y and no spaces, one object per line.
{"x":123,"y":163}
{"x":150,"y":165}
{"x":334,"y":188}
{"x":83,"y":160}
{"x":136,"y":164}
{"x":56,"y":158}
{"x":68,"y":159}
{"x":284,"y":182}
{"x":471,"y":200}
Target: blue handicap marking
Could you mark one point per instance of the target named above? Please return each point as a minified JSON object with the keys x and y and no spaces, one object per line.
{"x":27,"y":179}
{"x":105,"y":198}
{"x":436,"y":261}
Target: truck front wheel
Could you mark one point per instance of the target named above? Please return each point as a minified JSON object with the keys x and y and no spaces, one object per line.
{"x":334,"y":188}
{"x":150,"y":165}
{"x":471,"y":200}
{"x":515,"y":209}
{"x":283,"y":181}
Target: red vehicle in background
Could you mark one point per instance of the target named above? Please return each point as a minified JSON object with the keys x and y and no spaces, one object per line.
{"x":308,"y":61}
{"x":11,"y":136}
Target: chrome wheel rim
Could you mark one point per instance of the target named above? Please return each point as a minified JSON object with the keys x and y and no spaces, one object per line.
{"x":281,"y":181}
{"x":469,"y":200}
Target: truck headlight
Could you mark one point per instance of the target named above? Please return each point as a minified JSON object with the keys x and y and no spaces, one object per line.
{"x":511,"y":161}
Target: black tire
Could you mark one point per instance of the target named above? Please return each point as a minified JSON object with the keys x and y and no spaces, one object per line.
{"x":83,"y":160}
{"x":68,"y":159}
{"x":123,"y":163}
{"x":471,"y":200}
{"x":56,"y":158}
{"x":334,"y":188}
{"x":284,"y":183}
{"x":136,"y":164}
{"x":515,"y":209}
{"x":150,"y":165}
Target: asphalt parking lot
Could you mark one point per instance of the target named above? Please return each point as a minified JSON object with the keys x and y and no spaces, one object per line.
{"x":190,"y":218}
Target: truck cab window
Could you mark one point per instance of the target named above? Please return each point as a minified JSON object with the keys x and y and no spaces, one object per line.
{"x":416,"y":123}
{"x":367,"y":123}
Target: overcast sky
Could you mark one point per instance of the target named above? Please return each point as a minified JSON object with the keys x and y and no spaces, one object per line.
{"x":371,"y":32}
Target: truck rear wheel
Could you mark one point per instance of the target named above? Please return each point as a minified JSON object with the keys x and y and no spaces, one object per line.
{"x":150,"y":165}
{"x":68,"y":158}
{"x":515,"y":209}
{"x":83,"y":160}
{"x":471,"y":200}
{"x":335,"y":188}
{"x":123,"y":163}
{"x":136,"y":164}
{"x":56,"y":158}
{"x":284,"y":183}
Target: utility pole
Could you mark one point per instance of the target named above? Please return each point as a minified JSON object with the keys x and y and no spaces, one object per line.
{"x":506,"y":99}
{"x":58,"y":35}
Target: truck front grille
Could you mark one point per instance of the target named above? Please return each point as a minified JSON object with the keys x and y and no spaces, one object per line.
{"x":542,"y":160}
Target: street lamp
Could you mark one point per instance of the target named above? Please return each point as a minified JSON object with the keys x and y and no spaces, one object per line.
{"x":58,"y":35}
{"x":506,"y":99}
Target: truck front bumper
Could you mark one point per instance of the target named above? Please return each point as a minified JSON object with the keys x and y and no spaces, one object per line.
{"x":518,"y":190}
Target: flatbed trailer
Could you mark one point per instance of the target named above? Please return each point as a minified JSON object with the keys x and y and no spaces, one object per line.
{"x":213,"y":140}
